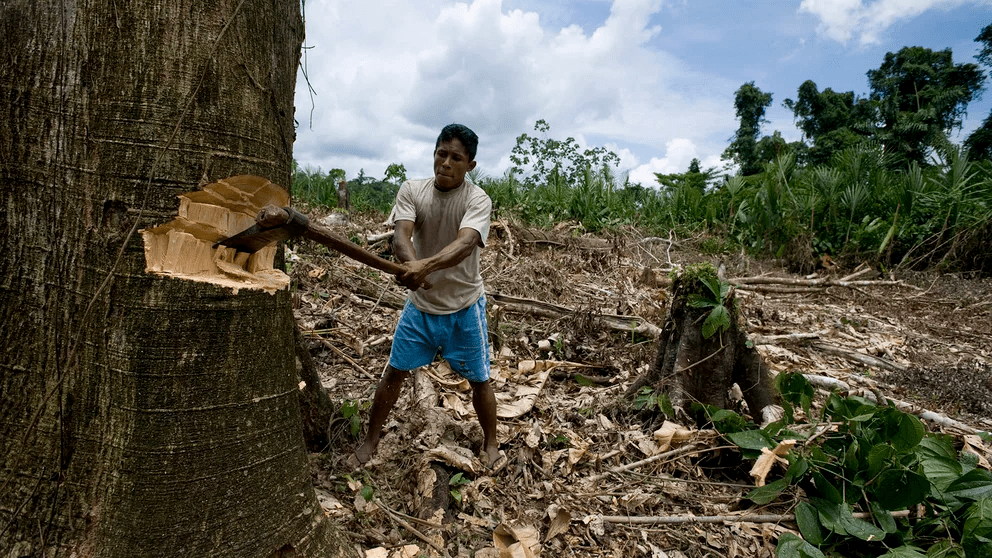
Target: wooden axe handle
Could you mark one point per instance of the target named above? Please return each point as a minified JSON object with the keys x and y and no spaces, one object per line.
{"x":272,"y":216}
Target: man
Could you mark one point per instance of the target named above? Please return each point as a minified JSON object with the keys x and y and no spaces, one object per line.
{"x":440,"y":227}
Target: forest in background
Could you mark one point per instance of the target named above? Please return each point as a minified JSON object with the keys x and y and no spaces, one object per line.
{"x":873,"y":178}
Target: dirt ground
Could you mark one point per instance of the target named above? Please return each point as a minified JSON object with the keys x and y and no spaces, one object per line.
{"x":560,"y":371}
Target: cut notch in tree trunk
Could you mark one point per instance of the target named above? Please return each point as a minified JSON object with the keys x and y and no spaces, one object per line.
{"x":184,"y":248}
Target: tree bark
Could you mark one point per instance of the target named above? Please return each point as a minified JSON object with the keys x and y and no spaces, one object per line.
{"x":689,"y":367}
{"x":142,"y":415}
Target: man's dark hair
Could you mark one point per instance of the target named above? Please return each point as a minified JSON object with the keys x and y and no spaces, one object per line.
{"x":462,"y":134}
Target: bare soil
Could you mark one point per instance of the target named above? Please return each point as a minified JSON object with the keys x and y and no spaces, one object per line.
{"x":571,"y":425}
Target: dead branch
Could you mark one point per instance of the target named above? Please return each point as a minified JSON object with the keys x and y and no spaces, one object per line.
{"x":629,"y":324}
{"x":776,"y":289}
{"x":860,"y":357}
{"x":772,"y":339}
{"x":666,"y":455}
{"x":818,"y":282}
{"x":373,"y":238}
{"x":688,"y":519}
{"x":341,"y":354}
{"x":404,"y":524}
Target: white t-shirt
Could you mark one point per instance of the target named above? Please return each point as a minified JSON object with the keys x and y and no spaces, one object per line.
{"x":437,"y":217}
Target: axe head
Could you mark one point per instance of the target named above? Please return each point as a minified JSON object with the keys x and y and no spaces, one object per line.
{"x":254,"y":238}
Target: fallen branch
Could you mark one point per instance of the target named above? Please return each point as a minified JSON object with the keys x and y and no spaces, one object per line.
{"x":683,"y":519}
{"x":341,"y":354}
{"x":819,"y":282}
{"x":759,"y":339}
{"x":404,"y":524}
{"x":668,"y":454}
{"x":860,"y":357}
{"x":373,"y":238}
{"x":629,"y":324}
{"x":779,"y":289}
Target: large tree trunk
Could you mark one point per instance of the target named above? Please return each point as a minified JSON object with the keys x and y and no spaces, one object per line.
{"x":142,"y":415}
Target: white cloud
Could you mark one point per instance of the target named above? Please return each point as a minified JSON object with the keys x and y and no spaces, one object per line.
{"x":843,"y":20}
{"x":389,"y":74}
{"x":679,"y":153}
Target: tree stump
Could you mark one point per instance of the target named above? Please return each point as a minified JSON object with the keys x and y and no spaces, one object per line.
{"x":703,"y":350}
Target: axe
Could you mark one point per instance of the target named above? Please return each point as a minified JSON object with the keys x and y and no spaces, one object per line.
{"x":273,"y":224}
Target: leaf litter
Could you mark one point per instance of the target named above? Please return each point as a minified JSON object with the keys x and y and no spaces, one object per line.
{"x":586,"y":475}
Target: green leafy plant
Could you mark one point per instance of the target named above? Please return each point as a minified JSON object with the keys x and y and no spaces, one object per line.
{"x":350,"y":411}
{"x":879,"y":460}
{"x":457,"y":480}
{"x":647,"y":399}
{"x":718,"y":319}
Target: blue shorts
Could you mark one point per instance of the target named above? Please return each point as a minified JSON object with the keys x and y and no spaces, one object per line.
{"x":462,"y":338}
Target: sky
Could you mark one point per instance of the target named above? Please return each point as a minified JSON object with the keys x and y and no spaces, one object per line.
{"x":651,"y":80}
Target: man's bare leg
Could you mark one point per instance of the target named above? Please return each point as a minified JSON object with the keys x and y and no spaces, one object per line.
{"x":484,"y":402}
{"x":386,"y":394}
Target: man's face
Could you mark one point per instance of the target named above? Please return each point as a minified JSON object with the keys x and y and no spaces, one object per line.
{"x":451,"y":164}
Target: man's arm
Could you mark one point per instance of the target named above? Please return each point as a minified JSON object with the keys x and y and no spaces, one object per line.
{"x":418,"y":270}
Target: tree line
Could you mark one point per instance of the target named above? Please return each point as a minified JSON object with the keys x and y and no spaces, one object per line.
{"x":873,"y":177}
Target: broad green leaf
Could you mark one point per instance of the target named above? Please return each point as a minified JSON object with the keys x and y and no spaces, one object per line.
{"x":696,"y":301}
{"x":977,"y":531}
{"x":797,"y":468}
{"x":718,"y":320}
{"x":941,"y":472}
{"x":937,"y":445}
{"x":713,"y":284}
{"x":973,"y":485}
{"x":809,"y":523}
{"x":898,"y":489}
{"x":830,"y":514}
{"x":791,"y":546}
{"x":884,"y":518}
{"x":825,"y":488}
{"x":861,"y":529}
{"x":879,"y":457}
{"x":851,"y":455}
{"x":905,"y":552}
{"x":751,"y":439}
{"x":909,"y":433}
{"x":768,"y":493}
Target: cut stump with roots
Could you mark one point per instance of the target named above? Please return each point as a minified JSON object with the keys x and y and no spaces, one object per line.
{"x":703,"y":350}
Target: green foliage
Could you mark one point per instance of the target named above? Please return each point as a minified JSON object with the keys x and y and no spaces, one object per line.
{"x":546,"y":157}
{"x":713,"y":296}
{"x":878,"y":460}
{"x":395,"y":174}
{"x":349,"y":411}
{"x":457,"y":480}
{"x":314,"y":187}
{"x":921,"y":95}
{"x":750,"y":104}
{"x":695,"y":178}
{"x":831,"y":121}
{"x":647,"y":399}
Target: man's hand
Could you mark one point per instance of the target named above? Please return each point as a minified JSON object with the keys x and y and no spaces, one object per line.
{"x":414,"y":276}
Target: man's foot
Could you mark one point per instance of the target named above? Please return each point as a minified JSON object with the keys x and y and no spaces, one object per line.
{"x":498,"y":464}
{"x":362,"y":454}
